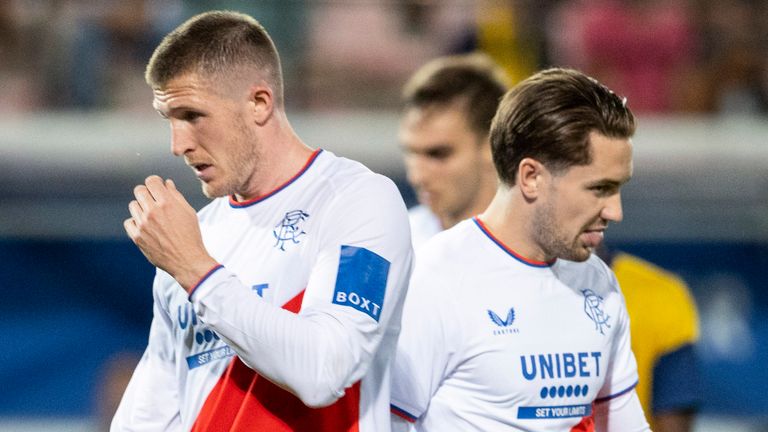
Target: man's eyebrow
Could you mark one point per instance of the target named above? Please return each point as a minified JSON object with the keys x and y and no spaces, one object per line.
{"x":175,"y":110}
{"x":609,"y":182}
{"x":431,"y":148}
{"x":604,"y":182}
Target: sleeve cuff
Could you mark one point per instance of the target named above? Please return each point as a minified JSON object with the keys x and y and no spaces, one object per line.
{"x":615,"y":395}
{"x":202,"y":280}
{"x":405,"y":415}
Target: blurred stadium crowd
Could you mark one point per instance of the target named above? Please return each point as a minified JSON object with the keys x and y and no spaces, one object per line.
{"x":681,"y":56}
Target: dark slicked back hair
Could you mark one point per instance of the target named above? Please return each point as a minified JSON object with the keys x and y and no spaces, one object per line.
{"x":549,"y":116}
{"x":473,"y":80}
{"x":212,"y":45}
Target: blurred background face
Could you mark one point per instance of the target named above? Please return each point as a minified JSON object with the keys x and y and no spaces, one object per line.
{"x":445,"y":160}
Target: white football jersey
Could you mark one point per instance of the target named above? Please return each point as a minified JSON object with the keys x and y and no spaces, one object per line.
{"x":309,"y":295}
{"x":424,"y":225}
{"x":492,"y":341}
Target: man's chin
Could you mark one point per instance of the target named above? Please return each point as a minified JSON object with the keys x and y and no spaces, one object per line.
{"x":435,"y":208}
{"x":584,"y":254}
{"x":579,"y":254}
{"x":425,"y":200}
{"x":212,"y":192}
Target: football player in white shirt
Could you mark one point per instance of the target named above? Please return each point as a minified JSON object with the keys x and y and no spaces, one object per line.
{"x":277,"y":307}
{"x":511,"y":323}
{"x":449,"y":104}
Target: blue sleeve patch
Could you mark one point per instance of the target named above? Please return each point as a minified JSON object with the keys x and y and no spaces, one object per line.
{"x":677,"y":381}
{"x":361,"y":281}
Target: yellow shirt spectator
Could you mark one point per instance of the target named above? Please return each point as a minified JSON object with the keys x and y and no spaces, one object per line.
{"x":664,"y":327}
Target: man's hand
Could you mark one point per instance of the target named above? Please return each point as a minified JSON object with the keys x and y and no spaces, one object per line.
{"x":165,"y":228}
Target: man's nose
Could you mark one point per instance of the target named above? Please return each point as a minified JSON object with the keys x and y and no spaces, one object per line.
{"x":612,"y":210}
{"x":416,"y":170}
{"x":181,"y":139}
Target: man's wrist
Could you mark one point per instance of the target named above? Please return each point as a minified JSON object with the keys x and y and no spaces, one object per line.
{"x":195,"y":275}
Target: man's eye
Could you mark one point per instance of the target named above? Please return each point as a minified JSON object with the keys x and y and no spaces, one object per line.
{"x":438,"y":154}
{"x":190,"y":116}
{"x":603,"y":190}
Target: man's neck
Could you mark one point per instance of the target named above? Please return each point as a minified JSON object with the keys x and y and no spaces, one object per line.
{"x":506,"y":218}
{"x":283,"y":156}
{"x":479,"y":205}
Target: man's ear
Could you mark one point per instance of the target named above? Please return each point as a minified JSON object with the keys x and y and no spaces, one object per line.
{"x":531,"y":177}
{"x":262,"y":103}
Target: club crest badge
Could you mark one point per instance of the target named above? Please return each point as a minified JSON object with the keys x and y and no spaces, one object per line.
{"x":289,"y":229}
{"x":593,"y":307}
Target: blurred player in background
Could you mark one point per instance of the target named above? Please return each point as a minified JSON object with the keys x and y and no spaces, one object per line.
{"x":662,"y":312}
{"x":277,"y":306}
{"x":510,"y":319}
{"x":449,"y":105}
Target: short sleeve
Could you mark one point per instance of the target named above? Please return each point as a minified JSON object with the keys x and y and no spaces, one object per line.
{"x":677,"y":381}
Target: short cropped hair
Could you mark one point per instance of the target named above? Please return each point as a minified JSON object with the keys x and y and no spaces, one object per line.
{"x":213,"y":44}
{"x":549,"y":116}
{"x":473,"y":80}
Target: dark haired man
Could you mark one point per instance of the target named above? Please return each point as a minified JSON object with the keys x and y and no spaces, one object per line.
{"x":511,"y":322}
{"x":448,"y":107}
